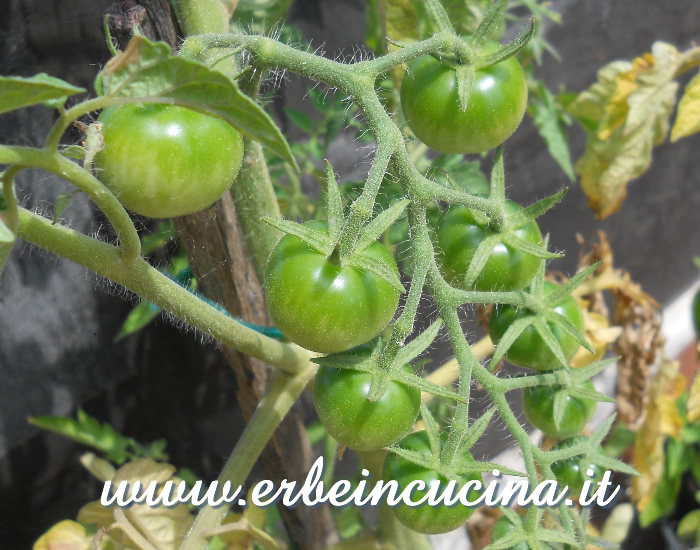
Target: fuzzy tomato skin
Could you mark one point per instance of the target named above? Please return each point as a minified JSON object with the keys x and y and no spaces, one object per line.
{"x":458,"y":237}
{"x":324,"y":307}
{"x":529,"y":349}
{"x":426,"y":519}
{"x":430,"y":103}
{"x":538,"y":404}
{"x":340,"y":397}
{"x":572,"y":471}
{"x":163,"y":161}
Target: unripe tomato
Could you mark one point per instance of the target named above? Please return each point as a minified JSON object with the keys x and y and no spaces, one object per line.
{"x":163,"y":161}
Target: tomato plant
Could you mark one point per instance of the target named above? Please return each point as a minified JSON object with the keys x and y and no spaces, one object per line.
{"x":459,"y":234}
{"x":502,"y":528}
{"x":426,"y":519}
{"x":529,"y":349}
{"x":572,"y":472}
{"x":323,"y":306}
{"x":163,"y":161}
{"x":538,"y":404}
{"x":429,"y":99}
{"x":340,"y":396}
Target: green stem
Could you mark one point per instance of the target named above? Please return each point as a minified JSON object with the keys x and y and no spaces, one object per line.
{"x":144,"y":280}
{"x":8,"y":178}
{"x":54,"y":162}
{"x":282,"y":393}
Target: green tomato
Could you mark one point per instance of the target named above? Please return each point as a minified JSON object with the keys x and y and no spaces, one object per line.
{"x":458,"y":237}
{"x":538,"y":404}
{"x":426,"y":519}
{"x":502,"y":528}
{"x":529,"y":349}
{"x":322,"y":306}
{"x":430,"y":103}
{"x":163,"y":161}
{"x":340,"y":396}
{"x":572,"y":471}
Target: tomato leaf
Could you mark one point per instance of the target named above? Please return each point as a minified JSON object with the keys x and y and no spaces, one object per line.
{"x":138,"y":318}
{"x":65,"y":535}
{"x":624,"y":114}
{"x":62,"y":202}
{"x":301,"y":120}
{"x":692,"y":406}
{"x":374,"y":229}
{"x":149,"y":70}
{"x":550,"y":119}
{"x":17,"y":92}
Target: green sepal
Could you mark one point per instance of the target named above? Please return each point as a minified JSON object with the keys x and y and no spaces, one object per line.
{"x":316,"y":239}
{"x":476,"y":430}
{"x":558,"y":407}
{"x":334,"y":205}
{"x":374,"y":229}
{"x":346,"y":360}
{"x":415,"y":458}
{"x":509,"y":50}
{"x":596,"y":438}
{"x":550,"y":535}
{"x":569,"y":328}
{"x":497,"y":186}
{"x":601,"y":543}
{"x":418,"y":345}
{"x":506,"y":542}
{"x":593,"y":395}
{"x":431,"y":429}
{"x":424,"y":385}
{"x":439,"y":15}
{"x":535,"y":250}
{"x":511,"y":334}
{"x":579,"y":375}
{"x":565,"y":290}
{"x":610,"y":463}
{"x":468,"y":467}
{"x":535,"y":210}
{"x":550,"y":340}
{"x":489,"y":23}
{"x":365,"y":262}
{"x":481,"y":256}
{"x":465,"y":82}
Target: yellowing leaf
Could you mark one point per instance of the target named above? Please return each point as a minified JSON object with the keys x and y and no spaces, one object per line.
{"x":66,"y":535}
{"x":688,"y":117}
{"x":693,"y":404}
{"x":624,"y":114}
{"x":599,"y":335}
{"x":662,"y":420}
{"x":161,"y":525}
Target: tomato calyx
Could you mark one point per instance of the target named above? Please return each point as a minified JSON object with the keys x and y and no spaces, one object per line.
{"x":383,"y":374}
{"x":326,"y":238}
{"x":553,"y":329}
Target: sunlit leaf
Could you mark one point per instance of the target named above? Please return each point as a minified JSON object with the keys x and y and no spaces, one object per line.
{"x":66,"y":535}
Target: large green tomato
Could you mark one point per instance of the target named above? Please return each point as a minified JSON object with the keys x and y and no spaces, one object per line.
{"x":458,"y":237}
{"x":340,"y":396}
{"x":426,"y":519}
{"x":322,"y":306}
{"x":163,"y":161}
{"x":529,"y":349}
{"x":538,"y":404}
{"x":430,"y":103}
